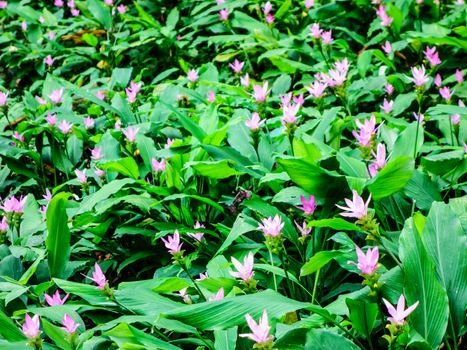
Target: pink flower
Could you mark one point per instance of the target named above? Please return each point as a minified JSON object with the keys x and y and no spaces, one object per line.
{"x":74,"y":12}
{"x":438,"y":80}
{"x":337,"y":78}
{"x":399,"y":315}
{"x":267,"y":7}
{"x":455,"y":119}
{"x":271,"y":226}
{"x":299,"y":100}
{"x":98,"y":277}
{"x":237,"y":66}
{"x":388,"y":88}
{"x":65,"y":127}
{"x":96,"y":153}
{"x":51,"y":35}
{"x":58,"y":3}
{"x":202,"y":276}
{"x":3,"y":98}
{"x":308,"y":206}
{"x":245,"y":271}
{"x":14,"y":205}
{"x":289,"y":114}
{"x":316,"y":89}
{"x":309,"y":3}
{"x":99,"y":94}
{"x":51,"y":119}
{"x":211,"y":96}
{"x":380,"y":159}
{"x":220,"y":2}
{"x":88,"y":122}
{"x":387,"y":48}
{"x":445,"y":93}
{"x":31,"y":326}
{"x":199,"y":235}
{"x":385,"y":19}
{"x":419,"y":76}
{"x":419,"y":117}
{"x":366,"y":131}
{"x":327,"y":37}
{"x":387,"y":106}
{"x":49,"y":61}
{"x":48,"y":195}
{"x":55,"y":299}
{"x":132,"y":91}
{"x":18,"y":136}
{"x":304,"y":229}
{"x":432,"y":56}
{"x":130,"y":133}
{"x":224,"y":14}
{"x":81,"y":175}
{"x":261,"y":92}
{"x":3,"y":4}
{"x":173,"y":244}
{"x":109,"y":2}
{"x":4,"y":225}
{"x":99,"y":172}
{"x":459,"y":76}
{"x":269,"y":18}
{"x":245,"y":81}
{"x":255,"y":122}
{"x":169,"y":143}
{"x":71,"y":3}
{"x":121,"y":9}
{"x":70,"y":325}
{"x":158,"y":166}
{"x":367,"y":263}
{"x":219,"y":295}
{"x":40,"y":100}
{"x":192,"y":75}
{"x":356,"y":207}
{"x":56,"y":96}
{"x":315,"y":31}
{"x":260,"y":331}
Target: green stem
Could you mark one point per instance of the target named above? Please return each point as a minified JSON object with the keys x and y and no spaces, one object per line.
{"x":194,"y":282}
{"x":273,"y":274}
{"x":315,"y":284}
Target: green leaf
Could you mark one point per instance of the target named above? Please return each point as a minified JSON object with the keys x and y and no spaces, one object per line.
{"x":214,"y":170}
{"x":58,"y":236}
{"x":242,"y":225}
{"x":187,"y":123}
{"x":58,"y":335}
{"x":88,"y":292}
{"x":392,"y":178}
{"x":405,"y":142}
{"x":430,"y":318}
{"x":224,"y":314}
{"x":443,"y":238}
{"x":334,"y":223}
{"x":9,"y":330}
{"x":225,"y":339}
{"x":101,"y":13}
{"x":363,"y":316}
{"x":281,"y":85}
{"x":423,"y":190}
{"x":125,"y":166}
{"x":319,"y":260}
{"x":402,"y":103}
{"x":322,"y":339}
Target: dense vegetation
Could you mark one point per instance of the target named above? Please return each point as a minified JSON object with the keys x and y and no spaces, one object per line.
{"x":232,"y":174}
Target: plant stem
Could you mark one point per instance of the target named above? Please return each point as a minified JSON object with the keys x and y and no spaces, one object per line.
{"x":315,"y":284}
{"x":273,"y":274}
{"x":192,"y":280}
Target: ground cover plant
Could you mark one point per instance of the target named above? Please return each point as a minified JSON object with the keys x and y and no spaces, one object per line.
{"x":233,"y":174}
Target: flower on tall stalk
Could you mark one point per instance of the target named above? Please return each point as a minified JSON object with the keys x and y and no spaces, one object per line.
{"x":367,"y":263}
{"x":460,"y":76}
{"x":40,"y":100}
{"x":158,"y":166}
{"x":211,"y":96}
{"x":55,"y":299}
{"x":270,"y":18}
{"x":419,"y":118}
{"x":455,"y":119}
{"x":245,"y":80}
{"x":51,"y":119}
{"x":168,"y":143}
{"x":400,"y":313}
{"x":98,"y":277}
{"x":88,"y":122}
{"x":271,"y":226}
{"x":386,"y":20}
{"x":224,"y":14}
{"x":432,"y":56}
{"x":245,"y":270}
{"x":3,"y":98}
{"x":438,"y":81}
{"x":100,"y":95}
{"x":130,"y":133}
{"x":31,"y":326}
{"x":289,"y":114}
{"x":81,"y":176}
{"x":356,"y":208}
{"x":185,"y":297}
{"x":96,"y":153}
{"x":316,"y":89}
{"x":18,"y":136}
{"x":121,"y":9}
{"x":380,"y":159}
{"x":308,"y":206}
{"x":255,"y":122}
{"x":173,"y":244}
{"x":260,"y":331}
{"x":309,"y":3}
{"x":260,"y":92}
{"x":198,"y":235}
{"x":388,"y":88}
{"x":445,"y":93}
{"x":387,"y":48}
{"x":327,"y":37}
{"x":304,"y":229}
{"x":49,"y":61}
{"x":74,"y":12}
{"x":387,"y":106}
{"x":70,"y":326}
{"x":419,"y":76}
{"x":366,"y":131}
{"x":237,"y":66}
{"x":219,"y":295}
{"x":14,"y":205}
{"x":3,"y":4}
{"x":56,"y":96}
{"x":315,"y":31}
{"x":192,"y":75}
{"x":4,"y":225}
{"x":99,"y":172}
{"x":64,"y":127}
{"x":132,"y":91}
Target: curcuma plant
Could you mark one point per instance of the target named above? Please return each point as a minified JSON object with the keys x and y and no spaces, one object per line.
{"x":233,"y":174}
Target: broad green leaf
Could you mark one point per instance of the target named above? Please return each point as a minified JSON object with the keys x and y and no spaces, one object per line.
{"x":101,"y":13}
{"x":363,"y":316}
{"x":214,"y":170}
{"x":444,"y":239}
{"x":335,"y":224}
{"x":407,"y":141}
{"x":125,"y":166}
{"x":392,"y":178}
{"x":58,"y":236}
{"x":322,"y":339}
{"x":88,"y":292}
{"x":319,"y":260}
{"x":226,"y":339}
{"x":430,"y":318}
{"x":423,"y":190}
{"x":9,"y":330}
